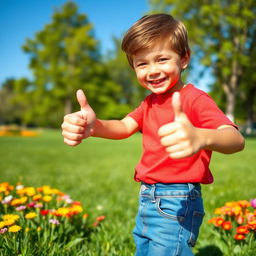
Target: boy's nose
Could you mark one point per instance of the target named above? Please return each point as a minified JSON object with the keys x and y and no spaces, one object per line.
{"x":153,"y":70}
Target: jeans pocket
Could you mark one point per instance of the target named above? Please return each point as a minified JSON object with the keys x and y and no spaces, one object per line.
{"x":172,"y":207}
{"x":197,"y":220}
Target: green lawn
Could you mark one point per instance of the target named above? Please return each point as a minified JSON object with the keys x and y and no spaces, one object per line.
{"x":99,"y":173}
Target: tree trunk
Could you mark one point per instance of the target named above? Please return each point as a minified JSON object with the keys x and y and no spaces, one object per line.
{"x":230,"y":90}
{"x":250,"y":112}
{"x":68,"y":106}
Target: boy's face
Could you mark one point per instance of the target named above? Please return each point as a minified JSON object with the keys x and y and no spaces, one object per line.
{"x":159,"y":68}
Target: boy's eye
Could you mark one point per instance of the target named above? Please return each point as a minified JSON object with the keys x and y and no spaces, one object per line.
{"x":162,"y":59}
{"x":141,"y":64}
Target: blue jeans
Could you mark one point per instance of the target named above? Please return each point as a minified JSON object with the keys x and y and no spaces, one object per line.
{"x":168,"y":220}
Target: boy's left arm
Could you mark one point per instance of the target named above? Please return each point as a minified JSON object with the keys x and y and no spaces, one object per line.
{"x":182,"y":139}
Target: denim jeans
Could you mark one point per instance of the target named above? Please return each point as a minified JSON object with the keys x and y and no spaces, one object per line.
{"x":168,"y":219}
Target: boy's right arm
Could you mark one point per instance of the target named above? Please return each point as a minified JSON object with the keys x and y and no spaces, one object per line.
{"x":82,"y":124}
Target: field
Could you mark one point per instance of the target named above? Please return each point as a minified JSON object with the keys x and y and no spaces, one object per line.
{"x":99,"y":173}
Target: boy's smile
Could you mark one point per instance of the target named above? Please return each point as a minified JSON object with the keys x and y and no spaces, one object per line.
{"x":159,"y":68}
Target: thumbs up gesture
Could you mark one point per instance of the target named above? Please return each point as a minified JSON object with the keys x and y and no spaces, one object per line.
{"x":79,"y":125}
{"x":180,"y":138}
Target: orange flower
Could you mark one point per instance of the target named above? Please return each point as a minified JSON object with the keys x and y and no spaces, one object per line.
{"x":240,"y":219}
{"x":226,"y":225}
{"x":100,"y":218}
{"x":252,"y":225}
{"x":244,"y":203}
{"x":37,"y":197}
{"x":219,"y":221}
{"x":85,"y":216}
{"x":242,"y":230}
{"x":239,"y":237}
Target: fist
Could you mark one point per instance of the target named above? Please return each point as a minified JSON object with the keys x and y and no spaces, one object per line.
{"x":79,"y":125}
{"x":180,"y":138}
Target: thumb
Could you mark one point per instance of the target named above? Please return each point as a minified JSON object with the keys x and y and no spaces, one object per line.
{"x":176,"y":104}
{"x":81,"y":99}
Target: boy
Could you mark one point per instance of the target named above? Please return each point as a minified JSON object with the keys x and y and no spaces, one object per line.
{"x":181,"y":126}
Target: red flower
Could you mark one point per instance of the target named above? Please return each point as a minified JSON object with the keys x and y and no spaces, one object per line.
{"x":226,"y":225}
{"x":76,"y":203}
{"x":218,"y":222}
{"x":95,"y":223}
{"x":239,"y":237}
{"x":44,"y":212}
{"x":100,"y":218}
{"x":242,"y":230}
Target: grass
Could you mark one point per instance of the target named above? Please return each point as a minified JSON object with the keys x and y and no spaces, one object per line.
{"x":99,"y":173}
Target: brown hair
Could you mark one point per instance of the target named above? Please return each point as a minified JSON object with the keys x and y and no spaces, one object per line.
{"x":153,"y":28}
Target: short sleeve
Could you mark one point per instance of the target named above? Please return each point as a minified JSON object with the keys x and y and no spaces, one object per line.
{"x":137,"y":114}
{"x":206,"y":113}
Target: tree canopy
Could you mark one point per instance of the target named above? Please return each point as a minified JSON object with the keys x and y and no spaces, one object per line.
{"x":222,"y":34}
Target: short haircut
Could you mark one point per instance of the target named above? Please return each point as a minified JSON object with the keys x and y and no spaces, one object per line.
{"x":154,"y":28}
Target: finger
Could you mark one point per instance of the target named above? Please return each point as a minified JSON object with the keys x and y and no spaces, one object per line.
{"x":72,"y":128}
{"x":168,"y":129}
{"x":72,"y":136}
{"x":176,"y":104}
{"x":71,"y":142}
{"x":178,"y":154}
{"x":81,"y":98}
{"x":169,"y":140}
{"x":75,"y":119}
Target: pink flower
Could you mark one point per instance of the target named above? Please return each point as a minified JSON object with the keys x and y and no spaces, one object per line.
{"x":54,"y":222}
{"x":20,"y":208}
{"x":3,"y":230}
{"x":253,"y":203}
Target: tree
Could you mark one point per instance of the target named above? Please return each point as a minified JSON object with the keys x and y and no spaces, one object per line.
{"x":222,"y":34}
{"x":64,"y":57}
{"x":11,"y":111}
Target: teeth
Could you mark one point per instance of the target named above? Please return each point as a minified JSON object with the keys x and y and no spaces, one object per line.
{"x":157,"y":81}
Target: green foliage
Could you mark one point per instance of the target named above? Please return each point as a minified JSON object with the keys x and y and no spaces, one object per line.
{"x":123,"y":74}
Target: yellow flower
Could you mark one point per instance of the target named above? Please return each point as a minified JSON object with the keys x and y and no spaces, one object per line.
{"x":9,"y":222}
{"x":76,"y":209}
{"x":14,"y":229}
{"x":27,"y":229}
{"x":2,"y":224}
{"x":37,"y":197}
{"x":30,"y":215}
{"x":30,"y":191}
{"x":61,"y":212}
{"x":19,"y":201}
{"x":39,"y":229}
{"x":11,"y":216}
{"x":47,"y":198}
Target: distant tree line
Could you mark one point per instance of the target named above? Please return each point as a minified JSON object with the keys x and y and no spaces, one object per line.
{"x":65,"y":56}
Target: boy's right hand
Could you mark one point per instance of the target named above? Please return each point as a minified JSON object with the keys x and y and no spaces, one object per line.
{"x":79,"y":125}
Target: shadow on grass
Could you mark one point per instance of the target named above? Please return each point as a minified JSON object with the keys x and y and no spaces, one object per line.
{"x":209,"y":250}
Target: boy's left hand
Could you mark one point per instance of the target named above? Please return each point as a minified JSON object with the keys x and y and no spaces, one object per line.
{"x":180,"y":137}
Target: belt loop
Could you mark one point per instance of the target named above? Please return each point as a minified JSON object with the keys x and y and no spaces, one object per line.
{"x":191,"y":188}
{"x":152,"y":193}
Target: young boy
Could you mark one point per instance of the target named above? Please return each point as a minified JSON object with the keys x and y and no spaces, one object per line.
{"x":181,"y":126}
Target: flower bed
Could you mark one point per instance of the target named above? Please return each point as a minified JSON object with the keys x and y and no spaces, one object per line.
{"x":34,"y":220}
{"x":14,"y":130}
{"x":235,"y":227}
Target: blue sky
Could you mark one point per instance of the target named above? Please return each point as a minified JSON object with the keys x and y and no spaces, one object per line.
{"x":21,"y":19}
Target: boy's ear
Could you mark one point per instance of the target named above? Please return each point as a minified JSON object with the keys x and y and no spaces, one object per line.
{"x":185,"y":60}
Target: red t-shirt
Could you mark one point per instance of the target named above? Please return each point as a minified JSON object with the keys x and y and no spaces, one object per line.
{"x":155,"y":111}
